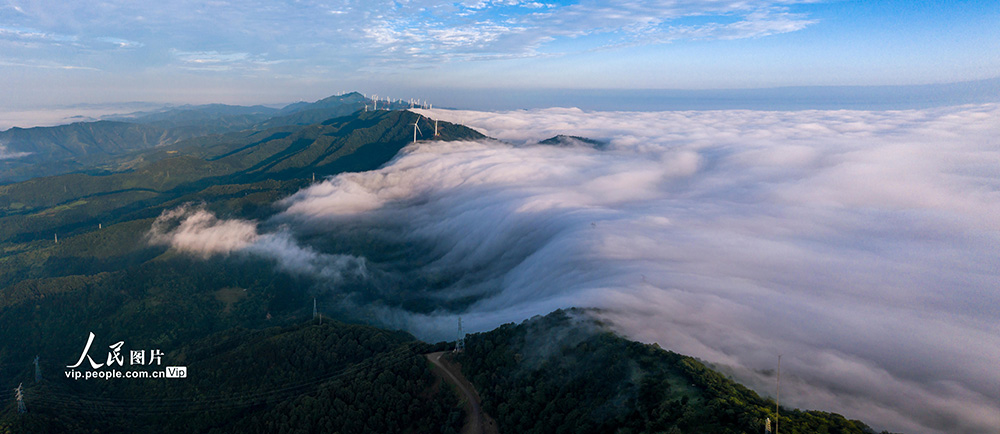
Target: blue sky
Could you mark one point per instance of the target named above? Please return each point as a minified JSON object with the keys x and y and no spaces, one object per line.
{"x":257,"y":51}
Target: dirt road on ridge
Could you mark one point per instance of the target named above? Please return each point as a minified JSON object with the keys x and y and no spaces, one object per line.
{"x":476,"y":422}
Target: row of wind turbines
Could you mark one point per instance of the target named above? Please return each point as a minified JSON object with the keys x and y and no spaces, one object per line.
{"x":414,"y":103}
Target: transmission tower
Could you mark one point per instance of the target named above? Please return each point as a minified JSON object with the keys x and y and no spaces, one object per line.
{"x":777,"y":398}
{"x":38,"y":371}
{"x":19,"y":396}
{"x":460,"y":343}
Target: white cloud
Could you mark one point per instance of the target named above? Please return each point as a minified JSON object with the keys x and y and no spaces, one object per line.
{"x":6,"y":154}
{"x":121,"y":43}
{"x":198,"y":231}
{"x":195,"y":230}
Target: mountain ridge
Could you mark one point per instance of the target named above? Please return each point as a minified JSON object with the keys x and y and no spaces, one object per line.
{"x":45,"y":151}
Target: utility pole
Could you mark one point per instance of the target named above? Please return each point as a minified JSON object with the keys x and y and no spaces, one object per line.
{"x":19,"y":396}
{"x":460,"y":343}
{"x":38,"y":371}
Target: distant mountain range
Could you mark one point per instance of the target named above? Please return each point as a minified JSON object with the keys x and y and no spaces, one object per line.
{"x":44,"y":151}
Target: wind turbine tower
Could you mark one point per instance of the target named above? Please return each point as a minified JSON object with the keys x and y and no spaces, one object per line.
{"x":416,"y":129}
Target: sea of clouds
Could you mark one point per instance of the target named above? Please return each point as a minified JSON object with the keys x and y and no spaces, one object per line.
{"x":862,"y":246}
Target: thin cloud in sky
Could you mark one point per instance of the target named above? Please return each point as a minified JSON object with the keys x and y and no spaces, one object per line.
{"x":517,"y":29}
{"x":121,"y":43}
{"x":216,"y":61}
{"x":28,"y":35}
{"x":46,"y":65}
{"x":387,"y":31}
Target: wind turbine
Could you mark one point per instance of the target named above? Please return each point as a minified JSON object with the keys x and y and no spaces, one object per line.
{"x":416,"y":129}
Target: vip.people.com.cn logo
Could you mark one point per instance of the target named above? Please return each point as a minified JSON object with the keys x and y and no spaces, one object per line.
{"x":137,"y":359}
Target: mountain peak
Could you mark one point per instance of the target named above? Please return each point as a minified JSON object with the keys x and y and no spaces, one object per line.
{"x":565,"y":140}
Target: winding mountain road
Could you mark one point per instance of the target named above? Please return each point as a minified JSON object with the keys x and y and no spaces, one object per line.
{"x":476,"y":422}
